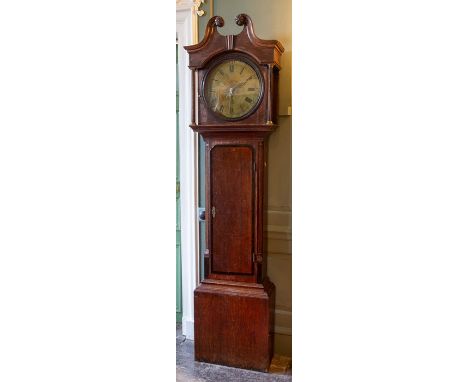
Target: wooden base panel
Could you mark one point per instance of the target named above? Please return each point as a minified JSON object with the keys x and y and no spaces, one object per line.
{"x":234,"y":324}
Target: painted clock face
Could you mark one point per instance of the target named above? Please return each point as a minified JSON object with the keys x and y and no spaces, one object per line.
{"x":233,"y":89}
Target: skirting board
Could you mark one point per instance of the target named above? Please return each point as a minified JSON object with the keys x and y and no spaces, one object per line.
{"x":188,"y":328}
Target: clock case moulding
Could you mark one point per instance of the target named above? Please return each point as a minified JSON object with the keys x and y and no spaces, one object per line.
{"x":234,"y":303}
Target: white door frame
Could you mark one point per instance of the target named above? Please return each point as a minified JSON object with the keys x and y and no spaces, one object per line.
{"x":188,"y":149}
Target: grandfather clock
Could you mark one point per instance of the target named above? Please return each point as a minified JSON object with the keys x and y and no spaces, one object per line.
{"x":235,"y":97}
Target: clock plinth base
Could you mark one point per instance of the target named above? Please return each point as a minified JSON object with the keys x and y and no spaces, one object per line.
{"x":234,"y":324}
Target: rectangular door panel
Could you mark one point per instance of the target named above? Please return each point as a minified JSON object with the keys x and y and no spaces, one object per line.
{"x":232,"y":184}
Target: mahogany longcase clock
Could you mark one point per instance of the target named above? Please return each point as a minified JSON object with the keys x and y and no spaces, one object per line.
{"x":235,"y":96}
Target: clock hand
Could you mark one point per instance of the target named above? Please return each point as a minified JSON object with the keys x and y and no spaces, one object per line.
{"x":241,"y":84}
{"x":229,"y":92}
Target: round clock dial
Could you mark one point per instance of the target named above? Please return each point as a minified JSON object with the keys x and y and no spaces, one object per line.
{"x":233,"y":88}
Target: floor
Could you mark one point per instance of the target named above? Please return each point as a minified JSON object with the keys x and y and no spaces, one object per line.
{"x":189,"y":370}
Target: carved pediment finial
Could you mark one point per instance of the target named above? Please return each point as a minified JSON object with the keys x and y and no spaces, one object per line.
{"x":243,"y":19}
{"x":214,"y":43}
{"x":213,"y":23}
{"x":217,"y":20}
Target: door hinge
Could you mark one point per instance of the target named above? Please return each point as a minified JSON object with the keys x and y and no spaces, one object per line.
{"x":213,"y":211}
